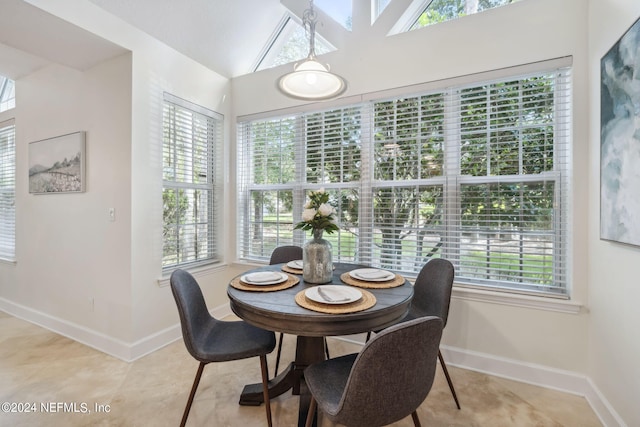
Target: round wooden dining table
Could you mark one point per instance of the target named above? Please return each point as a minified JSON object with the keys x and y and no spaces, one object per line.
{"x":278,"y":311}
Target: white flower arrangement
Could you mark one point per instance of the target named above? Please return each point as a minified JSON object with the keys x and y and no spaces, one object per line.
{"x":318,"y":214}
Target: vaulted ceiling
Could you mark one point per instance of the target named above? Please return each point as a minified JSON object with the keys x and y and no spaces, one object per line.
{"x":31,"y":38}
{"x":227,"y":36}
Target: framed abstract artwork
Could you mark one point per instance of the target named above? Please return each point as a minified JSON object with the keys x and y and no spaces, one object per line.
{"x":620,"y":140}
{"x":56,"y":165}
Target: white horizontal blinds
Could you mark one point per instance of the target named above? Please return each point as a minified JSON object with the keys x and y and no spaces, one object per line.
{"x":332,"y":160}
{"x":408,"y":186}
{"x":267,"y":151}
{"x":512,"y":188}
{"x":7,"y":191}
{"x":477,"y":173}
{"x":285,"y":158}
{"x":191,"y":134}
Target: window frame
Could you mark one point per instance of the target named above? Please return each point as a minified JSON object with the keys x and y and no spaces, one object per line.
{"x":365,"y":255}
{"x":7,"y":209}
{"x":428,"y":6}
{"x":7,"y":94}
{"x":287,"y":35}
{"x":186,"y":179}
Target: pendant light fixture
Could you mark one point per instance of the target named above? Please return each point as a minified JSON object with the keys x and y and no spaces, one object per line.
{"x":310,"y":80}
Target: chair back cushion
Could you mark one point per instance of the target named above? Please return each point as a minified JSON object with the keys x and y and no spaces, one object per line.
{"x":432,"y":290}
{"x":392,"y":374}
{"x":283,"y":254}
{"x":195,"y":319}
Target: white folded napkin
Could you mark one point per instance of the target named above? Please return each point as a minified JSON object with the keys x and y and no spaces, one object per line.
{"x":373,"y":274}
{"x":263,"y":276}
{"x":296,"y":264}
{"x":332,"y":293}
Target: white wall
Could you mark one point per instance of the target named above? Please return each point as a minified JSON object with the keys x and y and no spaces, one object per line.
{"x":68,"y":252}
{"x":118,"y":264}
{"x":593,"y":352}
{"x":521,"y":33}
{"x":614,"y":344}
{"x":154,"y":308}
{"x":61,"y":238}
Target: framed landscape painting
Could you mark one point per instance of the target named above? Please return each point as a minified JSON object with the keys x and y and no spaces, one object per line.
{"x":56,"y":165}
{"x":620,"y":140}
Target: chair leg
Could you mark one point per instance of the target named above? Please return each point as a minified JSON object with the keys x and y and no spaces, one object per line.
{"x":278,"y":353}
{"x":196,"y":381}
{"x":446,"y":374}
{"x":312,"y":412}
{"x":265,"y":387}
{"x":326,"y":349}
{"x":416,"y":420}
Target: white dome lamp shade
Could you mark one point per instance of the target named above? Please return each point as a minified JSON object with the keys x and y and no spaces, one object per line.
{"x":310,"y":80}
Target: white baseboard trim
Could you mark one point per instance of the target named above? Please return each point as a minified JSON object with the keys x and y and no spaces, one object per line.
{"x":84,"y":335}
{"x":165,"y":337}
{"x":97,"y":340}
{"x":601,"y":406}
{"x":543,"y":376}
{"x":539,"y":375}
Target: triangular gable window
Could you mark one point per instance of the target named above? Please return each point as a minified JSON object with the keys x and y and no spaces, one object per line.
{"x":378,"y":6}
{"x":446,"y":10}
{"x":340,"y":10}
{"x":7,"y":94}
{"x":290,"y":43}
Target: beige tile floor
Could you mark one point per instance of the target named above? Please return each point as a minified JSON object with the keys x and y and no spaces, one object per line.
{"x":41,"y":367}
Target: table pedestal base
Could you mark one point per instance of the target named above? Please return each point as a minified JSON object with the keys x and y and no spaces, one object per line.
{"x":309,"y":350}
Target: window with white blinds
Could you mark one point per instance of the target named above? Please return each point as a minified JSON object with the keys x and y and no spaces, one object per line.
{"x":191,"y":137}
{"x":474,"y":173}
{"x":7,"y":191}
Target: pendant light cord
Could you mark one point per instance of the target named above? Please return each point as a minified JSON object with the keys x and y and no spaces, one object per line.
{"x":309,"y":18}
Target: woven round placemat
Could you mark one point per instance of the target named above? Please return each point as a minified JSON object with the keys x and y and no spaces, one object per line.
{"x":397,"y":281}
{"x":368,"y":300}
{"x":291,"y":270}
{"x":290,"y":282}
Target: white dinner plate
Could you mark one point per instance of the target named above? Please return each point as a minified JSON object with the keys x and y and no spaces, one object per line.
{"x":333,"y":294}
{"x":264,"y":278}
{"x":297,"y":264}
{"x":372,"y":274}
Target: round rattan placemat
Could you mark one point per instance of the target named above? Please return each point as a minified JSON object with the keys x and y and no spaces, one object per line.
{"x":290,"y":282}
{"x":397,"y":281}
{"x":368,"y":300}
{"x":291,"y":270}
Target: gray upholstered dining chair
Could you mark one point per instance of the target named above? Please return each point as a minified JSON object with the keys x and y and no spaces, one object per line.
{"x":283,"y":254}
{"x":432,"y":297}
{"x":386,"y":381}
{"x":211,"y":340}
